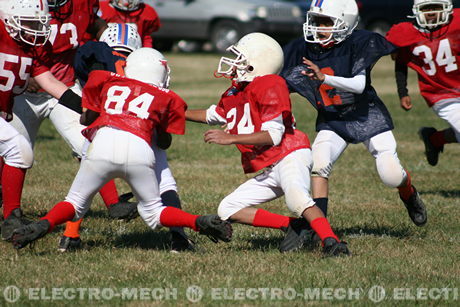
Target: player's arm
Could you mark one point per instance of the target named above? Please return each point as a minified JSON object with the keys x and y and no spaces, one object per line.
{"x":401,"y":84}
{"x":355,"y":85}
{"x":97,"y":27}
{"x":209,"y":116}
{"x":198,"y":116}
{"x":88,"y":117}
{"x":272,"y":134}
{"x":59,"y":90}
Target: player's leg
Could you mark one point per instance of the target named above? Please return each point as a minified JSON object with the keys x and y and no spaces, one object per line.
{"x":326,"y":149}
{"x":170,"y":197}
{"x":392,"y":174}
{"x":18,"y":156}
{"x":434,"y":140}
{"x":95,"y":170}
{"x":140,"y":175}
{"x":67,"y":123}
{"x":293,"y":175}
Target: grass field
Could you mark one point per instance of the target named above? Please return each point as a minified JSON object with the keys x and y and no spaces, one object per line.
{"x":388,"y":250}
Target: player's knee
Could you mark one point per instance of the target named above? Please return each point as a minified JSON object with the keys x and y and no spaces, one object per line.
{"x":390,"y":170}
{"x":20,"y":154}
{"x":228,"y":207}
{"x":297,"y":200}
{"x":150,"y":213}
{"x":321,"y":168}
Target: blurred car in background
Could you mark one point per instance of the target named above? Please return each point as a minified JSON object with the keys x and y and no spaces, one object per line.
{"x":222,"y":23}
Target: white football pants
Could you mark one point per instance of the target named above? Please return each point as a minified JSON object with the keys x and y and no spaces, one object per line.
{"x":118,"y":154}
{"x":30,"y":109}
{"x":14,"y":148}
{"x":449,"y":110}
{"x":328,"y":146}
{"x":289,"y":177}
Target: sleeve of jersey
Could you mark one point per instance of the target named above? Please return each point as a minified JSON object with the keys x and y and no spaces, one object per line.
{"x":91,"y":91}
{"x":42,"y":61}
{"x":298,"y":83}
{"x":90,"y":54}
{"x":176,"y":117}
{"x":272,"y":96}
{"x":368,"y":48}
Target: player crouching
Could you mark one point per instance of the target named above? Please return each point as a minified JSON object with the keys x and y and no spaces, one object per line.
{"x":122,"y":113}
{"x":256,"y":110}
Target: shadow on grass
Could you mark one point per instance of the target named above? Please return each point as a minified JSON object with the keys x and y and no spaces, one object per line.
{"x":443,"y":193}
{"x":375,"y":230}
{"x":144,"y":240}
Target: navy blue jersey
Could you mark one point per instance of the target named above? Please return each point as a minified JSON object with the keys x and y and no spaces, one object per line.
{"x":355,"y":117}
{"x":97,"y":56}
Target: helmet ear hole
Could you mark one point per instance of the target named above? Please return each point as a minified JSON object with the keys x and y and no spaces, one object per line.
{"x":250,"y":68}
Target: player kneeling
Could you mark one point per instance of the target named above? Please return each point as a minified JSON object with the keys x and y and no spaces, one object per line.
{"x":122,"y":113}
{"x":256,"y":110}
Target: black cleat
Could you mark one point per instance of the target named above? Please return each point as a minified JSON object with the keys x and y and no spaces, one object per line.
{"x":123,"y":209}
{"x":431,"y":151}
{"x":68,"y":244}
{"x":15,"y":220}
{"x":416,"y":208}
{"x":29,"y":233}
{"x":298,"y":234}
{"x":180,"y":243}
{"x":334,"y":248}
{"x":213,"y":227}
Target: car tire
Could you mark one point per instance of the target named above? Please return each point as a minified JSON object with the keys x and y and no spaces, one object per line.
{"x":224,"y":34}
{"x":381,"y":27}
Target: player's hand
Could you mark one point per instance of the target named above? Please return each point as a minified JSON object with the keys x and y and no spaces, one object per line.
{"x":218,"y":137}
{"x":406,"y":103}
{"x":33,"y":86}
{"x":313,"y":71}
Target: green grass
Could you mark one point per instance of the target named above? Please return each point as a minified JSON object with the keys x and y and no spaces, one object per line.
{"x":388,"y":250}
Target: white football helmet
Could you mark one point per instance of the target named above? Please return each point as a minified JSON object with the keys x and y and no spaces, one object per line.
{"x":148,"y":65}
{"x":343,"y":15}
{"x":257,"y":54}
{"x":26,"y":20}
{"x":122,"y":37}
{"x":126,"y":5}
{"x":422,"y":8}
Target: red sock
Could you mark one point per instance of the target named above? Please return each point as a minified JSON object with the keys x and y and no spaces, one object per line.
{"x":109,"y":193}
{"x":173,"y":217}
{"x":267,"y":219}
{"x":60,"y":213}
{"x":407,"y":189}
{"x":322,"y":227}
{"x":12,"y":183}
{"x":438,"y":139}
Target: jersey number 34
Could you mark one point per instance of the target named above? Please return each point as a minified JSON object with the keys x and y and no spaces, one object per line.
{"x":444,"y":57}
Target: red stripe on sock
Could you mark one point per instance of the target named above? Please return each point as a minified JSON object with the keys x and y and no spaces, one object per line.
{"x":268,"y":219}
{"x":438,"y":139}
{"x":322,"y":227}
{"x":61,"y":212}
{"x":173,"y":217}
{"x":109,"y":193}
{"x":12,"y":183}
{"x":406,"y":190}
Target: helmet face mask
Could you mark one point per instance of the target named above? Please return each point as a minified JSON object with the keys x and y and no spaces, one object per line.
{"x":126,"y":5}
{"x":55,"y":4}
{"x":148,"y":65}
{"x":432,"y":13}
{"x":256,"y":54}
{"x":330,"y":21}
{"x":26,"y":21}
{"x":122,"y":37}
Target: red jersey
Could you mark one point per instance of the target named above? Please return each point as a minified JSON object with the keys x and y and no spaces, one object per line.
{"x":434,"y":56}
{"x":68,"y":28}
{"x":132,"y":106}
{"x":145,"y":18}
{"x":248,"y":107}
{"x":18,"y":62}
